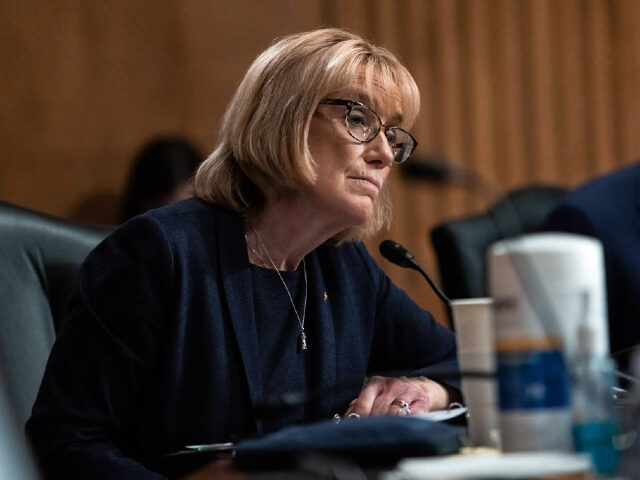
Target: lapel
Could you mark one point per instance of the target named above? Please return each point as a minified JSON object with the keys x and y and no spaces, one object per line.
{"x":322,"y":341}
{"x":236,"y":281}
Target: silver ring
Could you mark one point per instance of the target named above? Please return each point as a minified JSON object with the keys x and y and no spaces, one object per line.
{"x":403,"y":405}
{"x":400,"y":403}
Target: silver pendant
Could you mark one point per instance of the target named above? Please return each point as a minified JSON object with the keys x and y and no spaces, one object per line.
{"x":302,"y":342}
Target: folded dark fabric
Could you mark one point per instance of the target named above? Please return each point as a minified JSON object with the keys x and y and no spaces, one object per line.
{"x":372,"y":441}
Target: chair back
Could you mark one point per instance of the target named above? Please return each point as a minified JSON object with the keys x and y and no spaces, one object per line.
{"x":39,"y":259}
{"x":461,"y":244}
{"x":16,"y":459}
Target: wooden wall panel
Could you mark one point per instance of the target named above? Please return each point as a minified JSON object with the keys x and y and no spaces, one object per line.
{"x":509,"y":91}
{"x":518,"y":90}
{"x":573,"y":108}
{"x":542,"y":99}
{"x":599,"y":73}
{"x":84,"y":84}
{"x":626,"y":28}
{"x":480,"y":114}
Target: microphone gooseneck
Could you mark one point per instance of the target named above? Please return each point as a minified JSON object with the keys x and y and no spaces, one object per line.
{"x":397,"y":254}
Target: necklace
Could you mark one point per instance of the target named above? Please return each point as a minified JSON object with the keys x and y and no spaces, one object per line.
{"x":302,"y":338}
{"x":256,"y":254}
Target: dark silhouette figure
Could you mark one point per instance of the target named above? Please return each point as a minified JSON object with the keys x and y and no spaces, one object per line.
{"x":161,"y":174}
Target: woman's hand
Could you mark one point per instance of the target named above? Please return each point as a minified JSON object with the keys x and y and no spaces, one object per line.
{"x":399,"y":396}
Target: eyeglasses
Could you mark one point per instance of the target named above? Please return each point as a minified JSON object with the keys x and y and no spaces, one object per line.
{"x":364,"y":124}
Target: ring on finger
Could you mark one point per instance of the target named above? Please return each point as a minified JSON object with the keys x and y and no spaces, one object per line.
{"x":404,"y":406}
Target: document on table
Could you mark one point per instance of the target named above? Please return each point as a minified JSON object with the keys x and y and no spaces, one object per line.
{"x":510,"y":466}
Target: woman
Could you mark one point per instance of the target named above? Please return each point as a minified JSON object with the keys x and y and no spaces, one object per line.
{"x":189,"y":316}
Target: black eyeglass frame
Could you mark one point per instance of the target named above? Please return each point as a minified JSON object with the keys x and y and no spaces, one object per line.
{"x":350,"y":104}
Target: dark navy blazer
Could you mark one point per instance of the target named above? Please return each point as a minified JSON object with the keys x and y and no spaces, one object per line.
{"x":160,"y":349}
{"x":608,"y":208}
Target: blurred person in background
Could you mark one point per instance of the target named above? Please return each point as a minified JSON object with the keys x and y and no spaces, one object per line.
{"x":608,"y":208}
{"x":188,"y":316}
{"x":161,"y":174}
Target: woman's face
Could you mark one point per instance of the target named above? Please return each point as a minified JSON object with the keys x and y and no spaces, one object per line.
{"x":350,"y":174}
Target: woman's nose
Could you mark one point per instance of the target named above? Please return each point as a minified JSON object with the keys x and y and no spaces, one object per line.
{"x":381,"y":144}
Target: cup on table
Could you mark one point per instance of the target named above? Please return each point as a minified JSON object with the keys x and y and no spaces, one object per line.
{"x":473,"y":323}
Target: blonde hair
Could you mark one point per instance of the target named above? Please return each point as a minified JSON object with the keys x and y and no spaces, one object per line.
{"x":262,"y":150}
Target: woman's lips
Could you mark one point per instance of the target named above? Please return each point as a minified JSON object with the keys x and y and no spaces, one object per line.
{"x":368,"y":181}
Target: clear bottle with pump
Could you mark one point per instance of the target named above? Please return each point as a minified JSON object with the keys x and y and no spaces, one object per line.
{"x":594,"y":421}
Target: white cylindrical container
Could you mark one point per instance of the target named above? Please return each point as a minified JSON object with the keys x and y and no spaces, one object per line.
{"x":544,"y":287}
{"x":473,"y":322}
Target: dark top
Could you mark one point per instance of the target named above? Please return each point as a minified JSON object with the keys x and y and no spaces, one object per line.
{"x":285,"y":367}
{"x":161,"y":346}
{"x":608,"y":208}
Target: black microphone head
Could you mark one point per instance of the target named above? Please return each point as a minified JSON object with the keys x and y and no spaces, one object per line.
{"x":396,"y":253}
{"x":429,"y":168}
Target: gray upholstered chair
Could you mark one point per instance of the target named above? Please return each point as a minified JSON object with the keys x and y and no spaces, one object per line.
{"x":16,"y":461}
{"x":39,"y":260}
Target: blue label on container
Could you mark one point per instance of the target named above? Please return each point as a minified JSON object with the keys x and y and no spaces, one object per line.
{"x":532,"y":379}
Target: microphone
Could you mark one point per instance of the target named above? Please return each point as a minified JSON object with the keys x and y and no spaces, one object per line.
{"x":396,"y":253}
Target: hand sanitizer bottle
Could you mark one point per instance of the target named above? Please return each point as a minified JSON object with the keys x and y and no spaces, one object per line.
{"x":594,"y":422}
